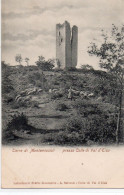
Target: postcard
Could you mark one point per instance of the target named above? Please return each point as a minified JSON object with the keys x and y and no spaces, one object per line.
{"x":62,"y":94}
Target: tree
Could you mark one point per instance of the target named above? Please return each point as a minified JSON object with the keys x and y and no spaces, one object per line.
{"x":45,"y":65}
{"x":41,"y":59}
{"x":86,"y":67}
{"x":7,"y":85}
{"x":111,"y":58}
{"x":18,"y":58}
{"x":3,"y":64}
{"x":27,"y":61}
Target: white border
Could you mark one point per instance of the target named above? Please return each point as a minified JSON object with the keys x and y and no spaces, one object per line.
{"x":49,"y":191}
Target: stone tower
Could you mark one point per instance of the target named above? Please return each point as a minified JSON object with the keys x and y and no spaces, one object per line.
{"x":66,"y":45}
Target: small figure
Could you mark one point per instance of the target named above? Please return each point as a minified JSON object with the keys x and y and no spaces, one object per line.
{"x":70,"y":93}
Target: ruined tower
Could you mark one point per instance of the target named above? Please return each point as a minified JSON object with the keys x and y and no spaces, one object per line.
{"x":66,"y":45}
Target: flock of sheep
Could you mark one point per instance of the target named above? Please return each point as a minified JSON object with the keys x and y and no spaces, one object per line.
{"x":27,"y":94}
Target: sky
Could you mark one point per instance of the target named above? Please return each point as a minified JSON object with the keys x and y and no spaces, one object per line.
{"x":29,"y":26}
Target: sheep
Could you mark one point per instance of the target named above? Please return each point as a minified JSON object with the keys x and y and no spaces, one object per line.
{"x":39,"y":90}
{"x":18,"y":96}
{"x":91,"y":95}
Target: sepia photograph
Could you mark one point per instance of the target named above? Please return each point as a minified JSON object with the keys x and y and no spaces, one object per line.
{"x":62,"y":74}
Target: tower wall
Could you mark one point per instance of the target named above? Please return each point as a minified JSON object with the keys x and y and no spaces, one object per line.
{"x":74,"y":46}
{"x":60,"y":45}
{"x":66,"y":45}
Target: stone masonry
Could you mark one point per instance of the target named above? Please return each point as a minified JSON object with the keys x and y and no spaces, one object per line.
{"x":66,"y":45}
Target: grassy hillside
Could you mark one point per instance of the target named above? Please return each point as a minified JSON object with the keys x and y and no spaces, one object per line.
{"x":51,"y":118}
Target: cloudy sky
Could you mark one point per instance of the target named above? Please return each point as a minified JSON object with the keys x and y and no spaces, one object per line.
{"x":28,"y":26}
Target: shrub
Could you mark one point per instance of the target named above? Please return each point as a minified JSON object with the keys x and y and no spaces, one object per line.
{"x":73,"y":133}
{"x":74,"y":124}
{"x":38,"y":84}
{"x":99,"y":120}
{"x":98,"y":129}
{"x":45,"y":65}
{"x":18,"y":122}
{"x":71,"y":69}
{"x":8,"y":98}
{"x":58,"y":70}
{"x":7,"y":84}
{"x":24,"y":104}
{"x":87,"y":107}
{"x":61,"y":107}
{"x":101,"y":129}
{"x":66,"y":138}
{"x":15,"y":105}
{"x":56,"y":95}
{"x":35,"y":104}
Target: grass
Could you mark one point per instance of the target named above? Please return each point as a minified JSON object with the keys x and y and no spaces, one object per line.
{"x":54,"y":118}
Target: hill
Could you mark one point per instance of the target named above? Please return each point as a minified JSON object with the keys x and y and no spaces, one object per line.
{"x":89,"y":117}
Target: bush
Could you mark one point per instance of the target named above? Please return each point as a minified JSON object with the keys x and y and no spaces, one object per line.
{"x":73,"y":133}
{"x":99,"y":120}
{"x":25,"y":104}
{"x":61,"y":107}
{"x":7,"y":84}
{"x":96,"y":128}
{"x":58,"y":70}
{"x":45,"y":65}
{"x":101,"y":129}
{"x":16,"y":105}
{"x":8,"y":98}
{"x":87,"y":107}
{"x":71,"y":69}
{"x":18,"y":122}
{"x":66,"y":138}
{"x":56,"y":95}
{"x":74,"y":124}
{"x":35,"y":104}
